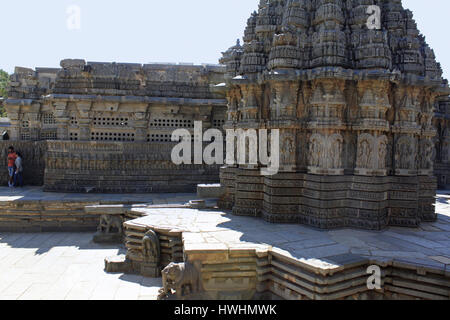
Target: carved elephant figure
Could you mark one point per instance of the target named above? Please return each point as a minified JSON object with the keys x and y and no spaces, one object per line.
{"x":184,"y":278}
{"x":109,"y":224}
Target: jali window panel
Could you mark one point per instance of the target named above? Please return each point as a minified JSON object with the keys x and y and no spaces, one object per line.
{"x":47,"y":134}
{"x":171,"y":123}
{"x":25,"y":134}
{"x":111,"y":121}
{"x":113,"y":136}
{"x":48,"y":119}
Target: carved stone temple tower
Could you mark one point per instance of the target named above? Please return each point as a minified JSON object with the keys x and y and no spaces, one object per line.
{"x":354,"y":108}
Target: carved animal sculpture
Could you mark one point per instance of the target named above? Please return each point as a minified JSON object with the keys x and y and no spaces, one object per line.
{"x":181,"y":277}
{"x":151,"y":247}
{"x":110,"y":224}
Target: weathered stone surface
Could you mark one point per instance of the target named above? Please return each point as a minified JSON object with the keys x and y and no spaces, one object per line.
{"x":117,"y":264}
{"x":210,"y":191}
{"x":30,"y":209}
{"x":245,"y":258}
{"x":108,"y":126}
{"x":34,"y":155}
{"x":350,"y":104}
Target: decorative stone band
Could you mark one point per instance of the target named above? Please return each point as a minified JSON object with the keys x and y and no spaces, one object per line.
{"x":136,"y":99}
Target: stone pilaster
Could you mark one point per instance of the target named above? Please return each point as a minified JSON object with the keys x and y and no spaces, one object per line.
{"x":141,"y":126}
{"x":62,"y":120}
{"x":35,"y":126}
{"x":85,"y":129}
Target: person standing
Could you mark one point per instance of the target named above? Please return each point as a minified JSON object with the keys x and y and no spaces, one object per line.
{"x":12,"y":156}
{"x":18,"y":176}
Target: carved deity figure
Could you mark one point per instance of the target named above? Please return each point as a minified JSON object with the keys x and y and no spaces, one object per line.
{"x":382,"y":152}
{"x":151,"y":249}
{"x":364,"y":154}
{"x":405,"y":151}
{"x":335,"y":151}
{"x":426,"y":155}
{"x":183,"y":278}
{"x":287,"y":150}
{"x":405,"y":154}
{"x":315,"y":151}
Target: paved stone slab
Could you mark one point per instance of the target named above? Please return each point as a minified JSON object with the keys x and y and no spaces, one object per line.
{"x":68,"y":267}
{"x":215,"y":230}
{"x":37,"y":194}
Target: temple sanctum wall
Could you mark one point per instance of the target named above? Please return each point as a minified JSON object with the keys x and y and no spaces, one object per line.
{"x":441,"y":122}
{"x":354,"y":106}
{"x":35,"y":154}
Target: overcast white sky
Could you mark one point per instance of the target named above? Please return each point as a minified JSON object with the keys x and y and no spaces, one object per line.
{"x":35,"y":32}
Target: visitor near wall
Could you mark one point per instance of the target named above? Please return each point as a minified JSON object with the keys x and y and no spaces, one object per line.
{"x":12,"y":156}
{"x":18,"y":176}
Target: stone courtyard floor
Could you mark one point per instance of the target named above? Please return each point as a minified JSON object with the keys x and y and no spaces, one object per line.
{"x":58,"y":266}
{"x":427,"y":246}
{"x":69,"y":266}
{"x":65,"y":266}
{"x":36,"y":193}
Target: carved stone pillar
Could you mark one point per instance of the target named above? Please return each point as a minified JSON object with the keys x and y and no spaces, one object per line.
{"x":234,"y":98}
{"x":14,"y":131}
{"x":250,"y":107}
{"x":326,"y":143}
{"x":35,"y":126}
{"x":425,"y":159}
{"x":14,"y":117}
{"x":406,"y":131}
{"x":141,"y":126}
{"x":84,"y":120}
{"x":405,"y":156}
{"x":62,"y":120}
{"x":85,"y":130}
{"x":288,"y":150}
{"x":372,"y":127}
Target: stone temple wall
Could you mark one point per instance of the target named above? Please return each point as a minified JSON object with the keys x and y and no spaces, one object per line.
{"x":354,"y":108}
{"x":34,"y":157}
{"x":117,"y":167}
{"x":109,"y":125}
{"x":442,"y":143}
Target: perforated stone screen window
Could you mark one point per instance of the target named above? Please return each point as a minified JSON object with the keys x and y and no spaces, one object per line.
{"x":162,"y":138}
{"x":113,"y":136}
{"x":48,"y":118}
{"x":111,"y":122}
{"x":25,"y":135}
{"x":48,"y":135}
{"x":218,"y":123}
{"x":171,"y":123}
{"x":25,"y":124}
{"x":73,"y":121}
{"x":73,"y":136}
